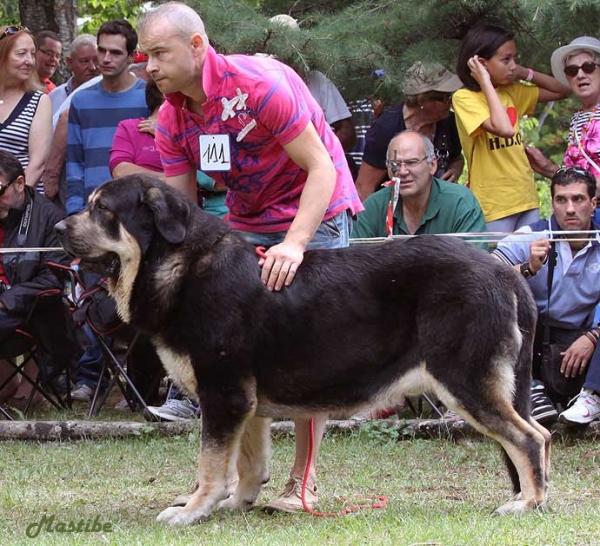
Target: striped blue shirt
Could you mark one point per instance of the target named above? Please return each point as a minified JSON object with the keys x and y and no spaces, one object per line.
{"x":93,"y":118}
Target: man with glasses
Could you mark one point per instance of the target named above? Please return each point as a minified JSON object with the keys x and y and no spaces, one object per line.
{"x":574,"y":292}
{"x":413,"y":201}
{"x":47,"y":57}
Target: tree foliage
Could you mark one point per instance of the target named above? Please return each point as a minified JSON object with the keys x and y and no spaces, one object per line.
{"x":354,"y":42}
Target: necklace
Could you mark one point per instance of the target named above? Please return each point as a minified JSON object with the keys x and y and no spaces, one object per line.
{"x":4,"y":99}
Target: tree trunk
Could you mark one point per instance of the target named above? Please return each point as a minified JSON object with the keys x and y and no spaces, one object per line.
{"x":60,"y":16}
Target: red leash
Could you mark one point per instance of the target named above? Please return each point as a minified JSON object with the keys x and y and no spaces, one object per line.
{"x":381,"y":500}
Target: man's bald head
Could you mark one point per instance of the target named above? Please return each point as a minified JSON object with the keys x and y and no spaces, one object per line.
{"x":180,"y":17}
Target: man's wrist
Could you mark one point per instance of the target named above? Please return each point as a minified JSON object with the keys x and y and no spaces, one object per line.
{"x":526,"y":270}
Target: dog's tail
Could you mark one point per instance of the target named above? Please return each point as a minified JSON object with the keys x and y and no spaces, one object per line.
{"x":526,"y":319}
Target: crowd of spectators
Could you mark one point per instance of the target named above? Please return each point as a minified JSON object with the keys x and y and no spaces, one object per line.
{"x":123,"y":112}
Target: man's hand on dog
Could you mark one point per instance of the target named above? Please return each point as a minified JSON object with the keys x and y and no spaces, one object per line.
{"x":281,"y":264}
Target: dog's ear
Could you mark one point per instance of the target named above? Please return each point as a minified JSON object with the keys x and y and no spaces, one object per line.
{"x":171,"y":213}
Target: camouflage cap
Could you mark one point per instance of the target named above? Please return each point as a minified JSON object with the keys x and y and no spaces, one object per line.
{"x":422,"y":78}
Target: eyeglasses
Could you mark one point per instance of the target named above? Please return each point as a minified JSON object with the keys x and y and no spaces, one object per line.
{"x":49,"y":53}
{"x":4,"y":188}
{"x":13,"y":29}
{"x":588,"y":67}
{"x":409,"y":163}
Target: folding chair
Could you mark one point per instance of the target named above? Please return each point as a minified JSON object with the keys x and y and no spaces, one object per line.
{"x":23,"y":346}
{"x":94,"y":307}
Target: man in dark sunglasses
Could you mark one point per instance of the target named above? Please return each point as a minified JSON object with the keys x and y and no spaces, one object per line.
{"x":26,"y":221}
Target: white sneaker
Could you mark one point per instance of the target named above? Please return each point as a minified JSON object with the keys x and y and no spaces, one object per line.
{"x":174,"y":410}
{"x":585,"y":408}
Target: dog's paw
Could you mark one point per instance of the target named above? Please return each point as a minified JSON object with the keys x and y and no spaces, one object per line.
{"x":517,"y":507}
{"x":236,"y":504}
{"x":181,"y":500}
{"x":177,"y":515}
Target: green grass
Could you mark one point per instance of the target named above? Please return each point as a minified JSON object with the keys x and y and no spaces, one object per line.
{"x":439,"y":493}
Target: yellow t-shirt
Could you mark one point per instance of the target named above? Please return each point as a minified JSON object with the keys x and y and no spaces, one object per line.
{"x":499,"y":173}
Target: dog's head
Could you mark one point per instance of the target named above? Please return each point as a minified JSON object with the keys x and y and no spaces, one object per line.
{"x":121,"y":220}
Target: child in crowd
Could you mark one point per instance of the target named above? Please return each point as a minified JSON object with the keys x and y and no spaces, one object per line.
{"x":487,"y":111}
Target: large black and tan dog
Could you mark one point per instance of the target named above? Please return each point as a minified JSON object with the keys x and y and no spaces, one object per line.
{"x":357,"y":326}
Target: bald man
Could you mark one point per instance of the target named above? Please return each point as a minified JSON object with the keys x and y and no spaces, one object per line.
{"x":253,"y":126}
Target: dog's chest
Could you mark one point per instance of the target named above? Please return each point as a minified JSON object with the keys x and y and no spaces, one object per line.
{"x":178,"y":366}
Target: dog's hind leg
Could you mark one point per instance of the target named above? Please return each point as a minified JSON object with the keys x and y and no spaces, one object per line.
{"x":253,"y":464}
{"x":526,"y":448}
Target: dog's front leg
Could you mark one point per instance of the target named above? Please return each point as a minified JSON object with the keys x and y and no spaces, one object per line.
{"x":217,"y":463}
{"x":253,"y":464}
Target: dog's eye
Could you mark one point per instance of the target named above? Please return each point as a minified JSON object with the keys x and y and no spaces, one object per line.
{"x":101,"y":206}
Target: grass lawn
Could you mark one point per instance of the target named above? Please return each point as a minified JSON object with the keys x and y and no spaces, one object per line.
{"x":439,"y":492}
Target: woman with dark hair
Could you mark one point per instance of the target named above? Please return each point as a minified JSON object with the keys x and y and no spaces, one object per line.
{"x":25,"y":112}
{"x":487,"y":111}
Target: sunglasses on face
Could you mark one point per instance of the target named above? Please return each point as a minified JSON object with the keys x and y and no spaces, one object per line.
{"x":572,"y":70}
{"x":13,"y":29}
{"x":4,"y":188}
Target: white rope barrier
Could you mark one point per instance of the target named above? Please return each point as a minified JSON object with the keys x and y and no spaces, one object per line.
{"x":471,"y":236}
{"x":492,"y":236}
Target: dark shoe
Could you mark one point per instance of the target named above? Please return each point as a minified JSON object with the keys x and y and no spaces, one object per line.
{"x":542,"y":408}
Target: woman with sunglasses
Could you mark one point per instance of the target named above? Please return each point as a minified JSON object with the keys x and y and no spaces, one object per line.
{"x":578,"y":65}
{"x":488,"y":112}
{"x":25,"y":112}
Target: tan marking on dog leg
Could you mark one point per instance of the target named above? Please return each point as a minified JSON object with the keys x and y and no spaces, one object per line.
{"x":532,"y":480}
{"x":214,"y":463}
{"x":179,"y":368}
{"x":252,"y":465}
{"x":547,"y":449}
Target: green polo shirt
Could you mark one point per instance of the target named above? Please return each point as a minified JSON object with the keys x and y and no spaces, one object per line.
{"x":452,"y":208}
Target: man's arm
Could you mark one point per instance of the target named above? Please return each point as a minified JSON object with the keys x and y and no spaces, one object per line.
{"x":75,"y":163}
{"x":186,"y":184}
{"x":577,"y":356}
{"x":309,"y":153}
{"x":368,"y":179}
{"x":57,"y":157}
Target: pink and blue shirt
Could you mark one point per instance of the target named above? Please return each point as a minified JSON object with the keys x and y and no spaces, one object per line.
{"x":262,"y":105}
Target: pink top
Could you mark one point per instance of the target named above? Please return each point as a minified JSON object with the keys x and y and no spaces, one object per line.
{"x":131,"y":146}
{"x":263,"y":105}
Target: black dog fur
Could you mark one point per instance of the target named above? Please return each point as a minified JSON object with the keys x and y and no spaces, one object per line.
{"x":357,"y":326}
